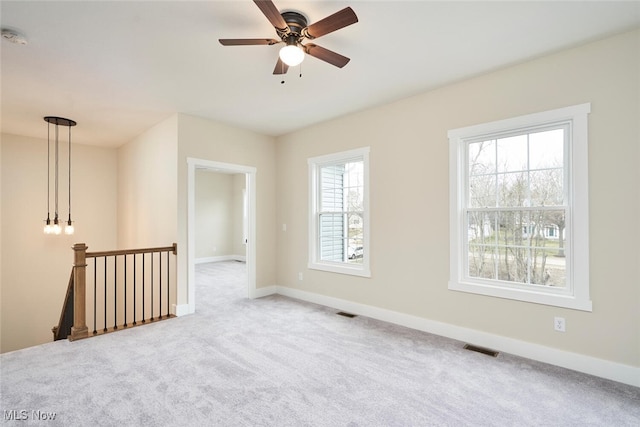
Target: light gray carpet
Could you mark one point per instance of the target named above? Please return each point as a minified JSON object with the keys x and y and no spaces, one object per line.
{"x":281,"y":362}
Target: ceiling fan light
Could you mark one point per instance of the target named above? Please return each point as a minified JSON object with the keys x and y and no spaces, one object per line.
{"x":291,"y":55}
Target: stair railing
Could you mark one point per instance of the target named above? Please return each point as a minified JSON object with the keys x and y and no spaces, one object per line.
{"x":127,"y":295}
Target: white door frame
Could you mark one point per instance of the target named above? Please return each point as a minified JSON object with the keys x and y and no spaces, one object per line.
{"x":250,"y":172}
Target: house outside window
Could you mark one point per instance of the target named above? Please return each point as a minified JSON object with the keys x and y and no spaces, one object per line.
{"x":519,"y":208}
{"x":339,"y":212}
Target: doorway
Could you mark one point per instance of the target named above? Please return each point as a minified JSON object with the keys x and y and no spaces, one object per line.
{"x":248,"y":230}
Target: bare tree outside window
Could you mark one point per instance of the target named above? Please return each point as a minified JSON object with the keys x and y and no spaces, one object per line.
{"x":516,"y":208}
{"x":519,"y":208}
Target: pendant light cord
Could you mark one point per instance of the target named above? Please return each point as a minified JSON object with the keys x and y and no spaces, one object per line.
{"x":69,"y":175}
{"x":48,"y":169}
{"x":56,"y":181}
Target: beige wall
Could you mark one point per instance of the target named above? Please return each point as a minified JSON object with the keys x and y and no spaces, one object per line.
{"x":410,"y":201}
{"x":209,"y":140}
{"x":35,"y":267}
{"x":214,"y":214}
{"x":147,"y":188}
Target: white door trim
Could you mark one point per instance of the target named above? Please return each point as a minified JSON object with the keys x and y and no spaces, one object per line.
{"x":192,"y":165}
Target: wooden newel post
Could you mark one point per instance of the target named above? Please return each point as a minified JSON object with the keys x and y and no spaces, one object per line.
{"x":79,"y":329}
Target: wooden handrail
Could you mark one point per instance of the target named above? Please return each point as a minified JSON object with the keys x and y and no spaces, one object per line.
{"x":173,"y":248}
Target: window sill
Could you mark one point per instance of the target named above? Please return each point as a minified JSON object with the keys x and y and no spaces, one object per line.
{"x":533,"y":296}
{"x":340,"y":269}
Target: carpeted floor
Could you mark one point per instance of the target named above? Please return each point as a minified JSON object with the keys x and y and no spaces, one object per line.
{"x":281,"y":362}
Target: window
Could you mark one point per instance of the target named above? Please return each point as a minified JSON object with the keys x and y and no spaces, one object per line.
{"x":519,"y":208}
{"x":339,"y":212}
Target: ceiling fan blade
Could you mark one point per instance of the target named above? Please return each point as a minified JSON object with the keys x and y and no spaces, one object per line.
{"x":273,"y":15}
{"x":326,"y":55}
{"x":247,"y":42}
{"x":281,"y":67}
{"x":331,"y":23}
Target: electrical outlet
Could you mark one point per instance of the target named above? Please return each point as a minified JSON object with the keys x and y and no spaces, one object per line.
{"x":284,"y":227}
{"x":559,"y":324}
{"x":300,"y":276}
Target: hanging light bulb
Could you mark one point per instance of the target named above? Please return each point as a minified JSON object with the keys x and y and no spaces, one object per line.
{"x":68,"y":228}
{"x":56,"y":226}
{"x":47,"y":225}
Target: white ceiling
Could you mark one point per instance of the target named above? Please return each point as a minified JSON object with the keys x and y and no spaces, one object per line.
{"x":119,"y":67}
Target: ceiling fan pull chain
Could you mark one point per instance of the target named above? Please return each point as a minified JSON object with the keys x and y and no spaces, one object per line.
{"x":284,"y":75}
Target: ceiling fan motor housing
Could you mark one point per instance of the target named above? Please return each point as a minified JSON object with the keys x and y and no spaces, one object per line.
{"x":296,"y":22}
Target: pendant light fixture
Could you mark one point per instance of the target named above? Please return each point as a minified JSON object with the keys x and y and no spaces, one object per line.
{"x":54,"y":227}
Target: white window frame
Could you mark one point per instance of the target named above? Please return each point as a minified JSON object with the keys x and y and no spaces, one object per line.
{"x":576,"y":294}
{"x":315,"y":263}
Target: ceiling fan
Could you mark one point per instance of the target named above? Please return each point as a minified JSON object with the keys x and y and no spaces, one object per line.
{"x":292,"y":29}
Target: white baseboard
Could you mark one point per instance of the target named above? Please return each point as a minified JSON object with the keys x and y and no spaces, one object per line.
{"x":590,"y":365}
{"x":221,"y":258}
{"x":182,"y":309}
{"x":264,"y":291}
